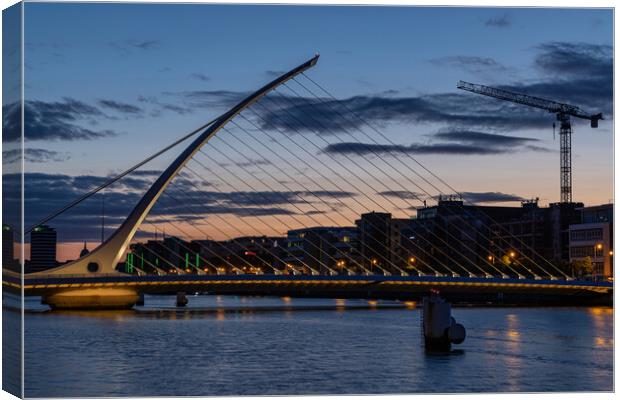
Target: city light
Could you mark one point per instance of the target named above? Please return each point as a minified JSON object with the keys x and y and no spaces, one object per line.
{"x":599,"y":246}
{"x":412,"y":259}
{"x":512,"y":254}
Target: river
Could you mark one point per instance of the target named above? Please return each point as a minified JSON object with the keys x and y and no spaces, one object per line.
{"x":228,"y":345}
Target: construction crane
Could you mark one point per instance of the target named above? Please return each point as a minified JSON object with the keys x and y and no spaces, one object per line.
{"x":563,"y":113}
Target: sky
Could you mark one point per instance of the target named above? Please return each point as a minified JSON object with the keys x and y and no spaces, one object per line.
{"x":106,"y":85}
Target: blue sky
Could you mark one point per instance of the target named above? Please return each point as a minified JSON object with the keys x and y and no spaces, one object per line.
{"x":135,"y":77}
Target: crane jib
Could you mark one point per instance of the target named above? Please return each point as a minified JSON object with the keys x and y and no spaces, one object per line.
{"x":532,"y":101}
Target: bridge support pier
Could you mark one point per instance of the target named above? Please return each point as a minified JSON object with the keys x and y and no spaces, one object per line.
{"x":92,"y":299}
{"x":181,"y":299}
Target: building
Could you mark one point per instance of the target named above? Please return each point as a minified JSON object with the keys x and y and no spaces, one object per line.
{"x":376,"y":241}
{"x":524,"y":237}
{"x":8,"y":245}
{"x":537,"y":238}
{"x":254,"y":254}
{"x":323,"y":250}
{"x":42,"y":249}
{"x":592,"y":238}
{"x":249,"y":254}
{"x":451,"y":237}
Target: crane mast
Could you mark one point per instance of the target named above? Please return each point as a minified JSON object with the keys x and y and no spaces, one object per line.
{"x":563,"y":113}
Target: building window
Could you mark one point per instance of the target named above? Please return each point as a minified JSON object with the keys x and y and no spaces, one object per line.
{"x":582,"y":251}
{"x":587,"y":234}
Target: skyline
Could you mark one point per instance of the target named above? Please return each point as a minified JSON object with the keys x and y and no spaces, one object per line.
{"x":123,"y":93}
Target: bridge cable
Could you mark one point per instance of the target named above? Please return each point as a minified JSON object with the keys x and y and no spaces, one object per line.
{"x":303,"y":199}
{"x":415,"y":172}
{"x":118,"y":177}
{"x":336,"y":173}
{"x":437,"y":177}
{"x":288,"y":176}
{"x":336,"y":198}
{"x":292,"y":165}
{"x":405,"y":199}
{"x":233,"y":226}
{"x":251,"y":187}
{"x":386,"y":198}
{"x":179,"y":202}
{"x":361,"y":180}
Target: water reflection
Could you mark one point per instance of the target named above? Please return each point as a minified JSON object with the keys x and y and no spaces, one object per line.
{"x":226,"y":345}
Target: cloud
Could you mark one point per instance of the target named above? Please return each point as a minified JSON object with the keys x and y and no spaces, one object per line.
{"x":363,"y":149}
{"x":184,"y":199}
{"x":162,"y":106}
{"x":274,"y":74}
{"x":453,"y":142}
{"x":470,"y":64}
{"x":484,"y":197}
{"x":33,"y":156}
{"x":251,"y":162}
{"x":482,"y":138}
{"x":490,"y":197}
{"x":402,"y":194}
{"x":580,"y":74}
{"x":201,"y":99}
{"x":328,"y":116}
{"x":200,"y":77}
{"x":55,"y":120}
{"x":502,"y":21}
{"x":577,"y":73}
{"x":117,"y":106}
{"x":131,"y":45}
{"x":575,"y":59}
{"x":144,"y":44}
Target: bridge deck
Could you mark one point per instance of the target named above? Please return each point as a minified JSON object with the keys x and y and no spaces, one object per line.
{"x":381,"y":286}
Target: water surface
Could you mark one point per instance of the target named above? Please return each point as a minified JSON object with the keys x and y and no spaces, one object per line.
{"x":227,"y":345}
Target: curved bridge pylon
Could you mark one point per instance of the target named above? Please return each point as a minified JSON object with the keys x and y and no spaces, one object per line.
{"x":104,"y":259}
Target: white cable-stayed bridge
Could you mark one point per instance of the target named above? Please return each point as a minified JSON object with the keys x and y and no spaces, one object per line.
{"x":268,"y":158}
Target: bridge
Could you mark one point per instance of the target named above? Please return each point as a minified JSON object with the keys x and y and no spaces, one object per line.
{"x":380,"y":271}
{"x":121,"y":291}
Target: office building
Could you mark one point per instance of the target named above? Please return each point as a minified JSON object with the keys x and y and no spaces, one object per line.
{"x":42,"y":249}
{"x":592,"y":239}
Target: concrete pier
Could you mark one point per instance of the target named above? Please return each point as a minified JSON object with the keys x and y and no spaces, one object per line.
{"x":440,"y":330}
{"x":181,"y":299}
{"x":92,"y":299}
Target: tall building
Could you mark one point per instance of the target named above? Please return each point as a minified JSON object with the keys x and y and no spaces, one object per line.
{"x":323,"y":249}
{"x":42,"y":249}
{"x":527,"y":235}
{"x":375,"y":241}
{"x":8,"y":243}
{"x":592,"y":238}
{"x":453,"y":237}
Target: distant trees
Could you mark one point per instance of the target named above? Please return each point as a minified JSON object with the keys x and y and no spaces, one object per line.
{"x":582,"y":266}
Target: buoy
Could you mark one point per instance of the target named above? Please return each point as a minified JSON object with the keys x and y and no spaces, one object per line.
{"x":440,"y":330}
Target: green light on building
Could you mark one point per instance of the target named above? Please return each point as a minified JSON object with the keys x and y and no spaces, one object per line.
{"x":130,"y":263}
{"x":186,"y":260}
{"x":197,"y":261}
